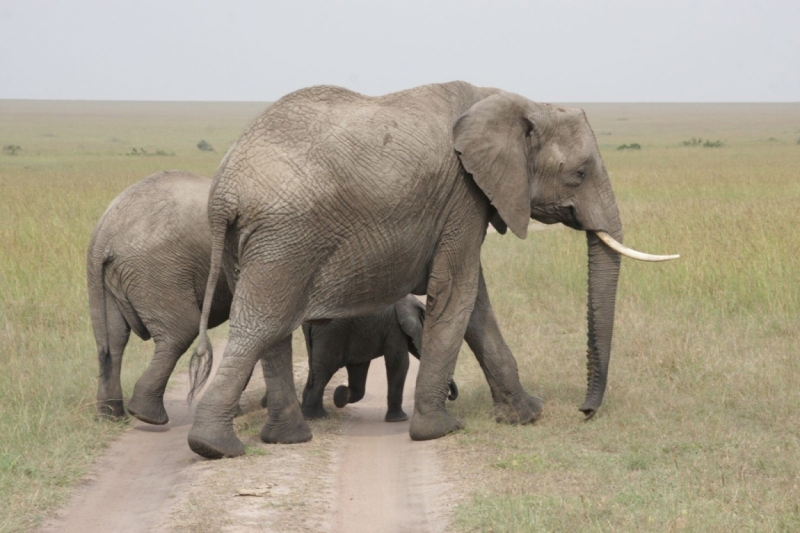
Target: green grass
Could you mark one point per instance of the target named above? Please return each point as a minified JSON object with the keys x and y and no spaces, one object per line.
{"x":72,"y":164}
{"x":699,"y":429}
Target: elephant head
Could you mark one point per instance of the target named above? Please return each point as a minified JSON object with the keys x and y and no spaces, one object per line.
{"x":541,"y":161}
{"x":411,"y":317}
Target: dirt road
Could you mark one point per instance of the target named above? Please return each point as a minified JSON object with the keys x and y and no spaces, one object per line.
{"x":359,"y":473}
{"x":130,"y":488}
{"x":386,"y":481}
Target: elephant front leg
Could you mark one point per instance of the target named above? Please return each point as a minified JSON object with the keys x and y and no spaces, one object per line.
{"x":356,"y":385}
{"x":452,"y":288}
{"x":285,"y":424}
{"x":512,"y":404}
{"x":318,"y":378}
{"x":396,"y":371}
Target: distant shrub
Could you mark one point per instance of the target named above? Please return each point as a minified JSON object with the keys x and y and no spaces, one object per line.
{"x":772,"y":140}
{"x":699,"y":142}
{"x":205,"y":147}
{"x":798,"y":140}
{"x":143,"y":152}
{"x":11,"y":149}
{"x":632,"y":146}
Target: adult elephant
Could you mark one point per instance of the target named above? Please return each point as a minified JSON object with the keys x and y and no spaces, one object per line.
{"x":338,"y":204}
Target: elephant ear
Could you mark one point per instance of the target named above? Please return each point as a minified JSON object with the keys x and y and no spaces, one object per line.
{"x":411,"y":317}
{"x":492,"y":138}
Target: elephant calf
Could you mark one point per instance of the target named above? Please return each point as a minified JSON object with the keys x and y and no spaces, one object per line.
{"x":353,"y":342}
{"x":147,"y":267}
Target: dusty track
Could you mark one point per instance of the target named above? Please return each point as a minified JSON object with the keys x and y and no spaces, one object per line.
{"x":387,"y":482}
{"x":130,"y":488}
{"x":359,"y":473}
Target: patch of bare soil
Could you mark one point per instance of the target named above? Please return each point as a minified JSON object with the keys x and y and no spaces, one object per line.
{"x":386,"y":481}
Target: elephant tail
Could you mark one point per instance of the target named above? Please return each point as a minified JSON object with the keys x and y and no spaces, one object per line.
{"x":95,"y":278}
{"x":203,"y":357}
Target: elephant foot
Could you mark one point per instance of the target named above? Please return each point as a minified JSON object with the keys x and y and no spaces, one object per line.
{"x":111,"y":409}
{"x":314,"y":412}
{"x":433,"y":425}
{"x":396,"y":415}
{"x":288,"y":427}
{"x":523,"y":409}
{"x":152,"y":412}
{"x":214,"y":443}
{"x":341,"y":396}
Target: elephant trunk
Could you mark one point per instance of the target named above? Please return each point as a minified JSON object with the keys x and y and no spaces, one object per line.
{"x":604,"y":266}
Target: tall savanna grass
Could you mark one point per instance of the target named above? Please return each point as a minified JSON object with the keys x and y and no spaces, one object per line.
{"x":72,"y":164}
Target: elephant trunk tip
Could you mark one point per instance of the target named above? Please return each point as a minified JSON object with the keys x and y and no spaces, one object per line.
{"x":453,"y":394}
{"x":588,"y":412}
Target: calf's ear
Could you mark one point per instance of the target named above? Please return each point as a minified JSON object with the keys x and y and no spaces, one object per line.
{"x":411,"y":317}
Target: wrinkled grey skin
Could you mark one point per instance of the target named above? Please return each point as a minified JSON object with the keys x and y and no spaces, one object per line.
{"x":392,"y":332}
{"x":147,"y":267}
{"x":338,"y":204}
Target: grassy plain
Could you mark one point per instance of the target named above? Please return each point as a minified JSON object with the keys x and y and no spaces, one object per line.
{"x":699,"y":427}
{"x":699,"y":430}
{"x":52,"y":192}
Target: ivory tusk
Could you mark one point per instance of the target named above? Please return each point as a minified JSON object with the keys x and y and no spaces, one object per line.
{"x":624,"y":250}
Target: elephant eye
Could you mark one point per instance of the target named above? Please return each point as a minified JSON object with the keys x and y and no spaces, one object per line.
{"x":581,"y":174}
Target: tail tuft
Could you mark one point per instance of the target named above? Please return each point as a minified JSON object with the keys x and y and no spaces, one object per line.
{"x":200,"y":368}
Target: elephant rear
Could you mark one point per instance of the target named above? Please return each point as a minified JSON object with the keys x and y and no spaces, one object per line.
{"x":147,"y":265}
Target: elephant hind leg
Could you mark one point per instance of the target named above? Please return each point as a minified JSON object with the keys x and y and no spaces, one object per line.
{"x":147,"y":402}
{"x":109,"y":385}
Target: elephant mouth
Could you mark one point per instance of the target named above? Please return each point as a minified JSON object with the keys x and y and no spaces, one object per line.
{"x":556,"y":214}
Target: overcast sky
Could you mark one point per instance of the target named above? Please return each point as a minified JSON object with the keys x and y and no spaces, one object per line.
{"x":566,"y":51}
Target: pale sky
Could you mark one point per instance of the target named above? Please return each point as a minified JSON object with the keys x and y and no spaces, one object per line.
{"x":565,"y":51}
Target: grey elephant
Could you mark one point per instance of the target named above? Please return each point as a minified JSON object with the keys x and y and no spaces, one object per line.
{"x":147,"y":268}
{"x":393,"y":333}
{"x":338,"y":204}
